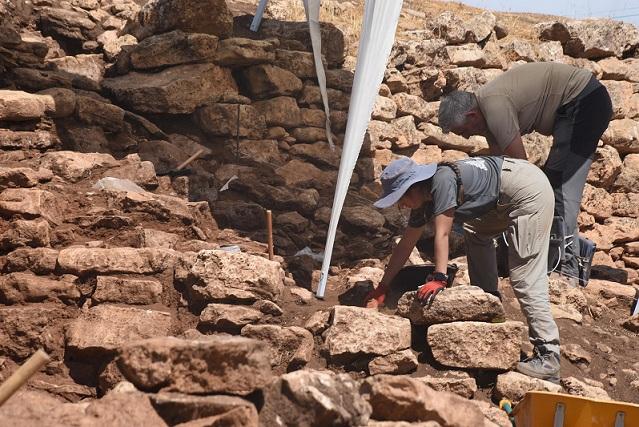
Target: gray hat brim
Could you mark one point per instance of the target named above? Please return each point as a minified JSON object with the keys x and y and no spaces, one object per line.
{"x":422,"y":173}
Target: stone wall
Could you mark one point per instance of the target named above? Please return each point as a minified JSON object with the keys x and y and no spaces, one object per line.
{"x":130,"y":79}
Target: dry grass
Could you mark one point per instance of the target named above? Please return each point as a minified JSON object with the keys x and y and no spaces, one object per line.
{"x":347,"y":16}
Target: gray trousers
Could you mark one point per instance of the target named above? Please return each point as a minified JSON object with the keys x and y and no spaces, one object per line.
{"x":578,"y":127}
{"x":524,"y":213}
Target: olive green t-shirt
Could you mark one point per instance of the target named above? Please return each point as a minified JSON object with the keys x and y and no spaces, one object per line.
{"x":526,"y":99}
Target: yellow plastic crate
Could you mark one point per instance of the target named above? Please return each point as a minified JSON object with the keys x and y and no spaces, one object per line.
{"x":544,"y":409}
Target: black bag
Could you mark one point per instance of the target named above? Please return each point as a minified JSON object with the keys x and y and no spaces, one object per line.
{"x":587,"y":250}
{"x":556,"y":251}
{"x":557,"y":243}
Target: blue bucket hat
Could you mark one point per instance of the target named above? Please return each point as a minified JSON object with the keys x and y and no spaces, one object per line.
{"x":398,"y":176}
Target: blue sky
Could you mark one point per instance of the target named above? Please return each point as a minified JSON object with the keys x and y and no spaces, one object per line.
{"x":623,"y":10}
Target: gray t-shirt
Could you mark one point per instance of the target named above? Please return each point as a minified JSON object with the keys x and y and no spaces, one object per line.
{"x":480,"y":178}
{"x":526,"y":99}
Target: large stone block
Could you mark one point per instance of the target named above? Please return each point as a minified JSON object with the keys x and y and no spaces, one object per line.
{"x":173,"y":48}
{"x":105,"y":115}
{"x":267,"y":81}
{"x":81,"y":260}
{"x":37,"y":260}
{"x":320,"y":153}
{"x":87,"y":68}
{"x":280,"y":111}
{"x":458,"y":382}
{"x":240,"y":52}
{"x":216,"y":364}
{"x":19,"y":288}
{"x":74,"y":166}
{"x":176,"y":408}
{"x":23,"y":329}
{"x":22,"y":177}
{"x":175,"y":90}
{"x":455,"y":30}
{"x":616,"y":69}
{"x":26,"y":140}
{"x":628,"y":180}
{"x":104,"y":329}
{"x":605,"y":168}
{"x":290,"y":347}
{"x":67,"y":23}
{"x":297,"y":173}
{"x":222,"y":120}
{"x":229,"y":318}
{"x":460,"y":303}
{"x":190,"y":16}
{"x":16,"y":105}
{"x":579,"y":388}
{"x":356,"y":331}
{"x":400,"y":398}
{"x":597,"y":202}
{"x":476,"y":345}
{"x":116,"y":409}
{"x":225,"y":276}
{"x":623,"y":135}
{"x":621,"y":96}
{"x":299,"y":63}
{"x":315,"y":398}
{"x":466,"y":55}
{"x":514,"y":386}
{"x":416,"y":106}
{"x":121,"y":290}
{"x":21,"y":232}
{"x":332,"y":37}
{"x":27,"y":202}
{"x":594,"y":39}
{"x":402,"y":362}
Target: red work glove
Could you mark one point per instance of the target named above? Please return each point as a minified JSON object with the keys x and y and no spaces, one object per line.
{"x":376,"y":297}
{"x":428,"y":291}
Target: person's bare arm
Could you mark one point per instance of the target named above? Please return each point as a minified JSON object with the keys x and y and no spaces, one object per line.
{"x":443,"y":225}
{"x":401,"y":253}
{"x":516,"y":149}
{"x":397,"y":260}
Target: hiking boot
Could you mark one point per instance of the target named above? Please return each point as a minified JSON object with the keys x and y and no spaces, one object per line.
{"x":543,"y":364}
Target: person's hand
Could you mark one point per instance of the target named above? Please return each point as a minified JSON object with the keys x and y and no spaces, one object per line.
{"x":428,"y":291}
{"x":376,"y":297}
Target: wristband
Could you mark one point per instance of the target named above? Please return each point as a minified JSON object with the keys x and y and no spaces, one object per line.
{"x":441,"y":277}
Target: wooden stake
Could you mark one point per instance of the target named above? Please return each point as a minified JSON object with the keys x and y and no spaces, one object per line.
{"x":190,"y":159}
{"x":22,"y":375}
{"x":269,"y":230}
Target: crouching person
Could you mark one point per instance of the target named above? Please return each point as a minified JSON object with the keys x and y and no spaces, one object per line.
{"x":489,"y":195}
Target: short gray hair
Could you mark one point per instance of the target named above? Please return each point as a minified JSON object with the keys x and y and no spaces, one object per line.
{"x":453,"y":108}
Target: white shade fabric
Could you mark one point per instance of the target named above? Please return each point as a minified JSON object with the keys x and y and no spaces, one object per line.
{"x":312,"y":8}
{"x":375,"y":43}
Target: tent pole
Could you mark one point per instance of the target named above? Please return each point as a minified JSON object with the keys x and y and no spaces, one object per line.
{"x":257,"y":19}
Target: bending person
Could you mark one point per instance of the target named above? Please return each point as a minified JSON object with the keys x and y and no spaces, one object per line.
{"x":490,"y":195}
{"x":552,"y":99}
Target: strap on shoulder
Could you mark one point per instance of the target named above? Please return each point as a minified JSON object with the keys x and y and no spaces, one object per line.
{"x":460,"y":185}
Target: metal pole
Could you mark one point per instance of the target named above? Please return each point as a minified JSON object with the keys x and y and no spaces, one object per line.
{"x":257,"y":19}
{"x":22,"y":375}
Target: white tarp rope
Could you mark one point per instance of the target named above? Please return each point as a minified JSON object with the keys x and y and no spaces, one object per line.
{"x":375,"y":43}
{"x":312,"y":8}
